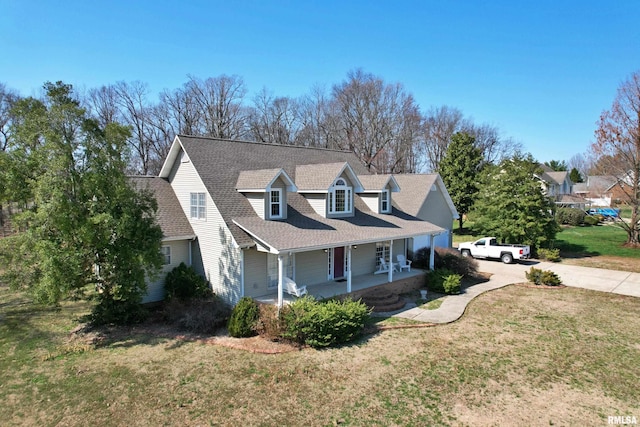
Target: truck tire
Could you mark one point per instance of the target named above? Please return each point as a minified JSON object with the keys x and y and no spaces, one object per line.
{"x":466,"y":253}
{"x":506,"y":257}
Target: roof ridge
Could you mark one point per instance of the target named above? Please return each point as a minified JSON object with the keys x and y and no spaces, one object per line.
{"x":242,"y":141}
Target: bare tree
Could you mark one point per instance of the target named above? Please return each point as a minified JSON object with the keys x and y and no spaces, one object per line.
{"x":135,"y":110}
{"x":274,"y":119}
{"x":617,"y":149}
{"x":103,"y":104}
{"x":377,"y":121}
{"x":439,"y":125}
{"x":220,"y":102}
{"x":492,"y":145}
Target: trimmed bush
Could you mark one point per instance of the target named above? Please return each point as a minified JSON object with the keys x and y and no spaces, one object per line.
{"x":184,"y":283}
{"x":570,"y":216}
{"x":444,"y":281}
{"x":552,"y":255}
{"x":324,"y":324}
{"x":197,"y":315}
{"x":244,"y":318}
{"x":448,"y":258}
{"x":540,"y":277}
{"x":591,"y":220}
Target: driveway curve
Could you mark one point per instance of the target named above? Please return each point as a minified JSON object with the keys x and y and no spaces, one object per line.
{"x":597,"y":279}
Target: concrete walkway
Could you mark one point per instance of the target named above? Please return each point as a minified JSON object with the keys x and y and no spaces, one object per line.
{"x":597,"y":279}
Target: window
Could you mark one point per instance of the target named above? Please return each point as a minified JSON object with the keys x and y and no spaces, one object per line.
{"x":340,"y":197}
{"x":272,"y":269}
{"x":382,"y":251}
{"x":384,"y":201}
{"x":166,"y":252}
{"x":275,"y":203}
{"x":198,"y":206}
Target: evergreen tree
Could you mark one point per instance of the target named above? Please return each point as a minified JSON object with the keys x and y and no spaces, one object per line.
{"x":459,"y":170}
{"x":575,"y":176}
{"x":512,"y":206}
{"x":86,"y":226}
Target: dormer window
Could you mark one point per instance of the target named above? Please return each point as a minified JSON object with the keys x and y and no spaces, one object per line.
{"x":385,"y":206}
{"x":275,"y":203}
{"x":340,"y":197}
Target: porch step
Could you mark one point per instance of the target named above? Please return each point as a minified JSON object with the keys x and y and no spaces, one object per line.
{"x":381,"y":300}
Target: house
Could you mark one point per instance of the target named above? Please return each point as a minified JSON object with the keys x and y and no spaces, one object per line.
{"x":605,"y":190}
{"x":178,"y":236}
{"x":558,"y":186}
{"x":259,"y":213}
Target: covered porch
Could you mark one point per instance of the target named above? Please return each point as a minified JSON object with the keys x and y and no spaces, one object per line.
{"x":332,"y":288}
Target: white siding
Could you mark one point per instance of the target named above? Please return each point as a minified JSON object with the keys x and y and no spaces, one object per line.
{"x":318,"y":202}
{"x":363,"y":259}
{"x":257,"y":202}
{"x":179,"y":253}
{"x":371,"y":200}
{"x":217,"y":256}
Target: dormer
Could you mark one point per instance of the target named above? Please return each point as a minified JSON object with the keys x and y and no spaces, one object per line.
{"x":266,"y":190}
{"x":329,"y":188}
{"x":377,"y":192}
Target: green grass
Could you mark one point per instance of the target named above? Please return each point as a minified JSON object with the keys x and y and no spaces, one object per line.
{"x":604,"y":240}
{"x":569,"y":356}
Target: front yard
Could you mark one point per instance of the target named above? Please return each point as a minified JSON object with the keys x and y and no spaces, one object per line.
{"x":596,"y":246}
{"x":519,"y":356}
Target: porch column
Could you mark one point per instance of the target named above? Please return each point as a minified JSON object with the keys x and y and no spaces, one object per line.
{"x":432,"y":253}
{"x":280,"y":280}
{"x":349,"y":269}
{"x":390,"y":278}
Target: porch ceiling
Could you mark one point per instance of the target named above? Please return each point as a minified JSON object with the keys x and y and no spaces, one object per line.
{"x":301,"y":233}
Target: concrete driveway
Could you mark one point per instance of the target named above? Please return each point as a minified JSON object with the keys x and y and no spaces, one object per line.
{"x":597,"y":279}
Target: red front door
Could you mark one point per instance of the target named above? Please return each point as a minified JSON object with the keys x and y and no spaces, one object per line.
{"x":338,"y":262}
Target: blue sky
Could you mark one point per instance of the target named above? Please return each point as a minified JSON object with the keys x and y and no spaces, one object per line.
{"x":541,"y":71}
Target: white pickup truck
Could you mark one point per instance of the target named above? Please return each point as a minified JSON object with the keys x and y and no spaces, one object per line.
{"x":488,"y":247}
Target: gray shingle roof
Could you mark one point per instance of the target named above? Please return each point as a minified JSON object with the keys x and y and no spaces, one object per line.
{"x":414,"y":189}
{"x":223,"y":165}
{"x":170,"y":215}
{"x":318,"y":176}
{"x":256,"y":178}
{"x":374,"y":182}
{"x":219,"y":163}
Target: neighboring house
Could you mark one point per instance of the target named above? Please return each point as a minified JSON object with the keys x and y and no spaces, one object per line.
{"x":597,"y":189}
{"x":605,"y":190}
{"x":178,"y":235}
{"x":555,"y":184}
{"x":558,"y":186}
{"x":258,"y":213}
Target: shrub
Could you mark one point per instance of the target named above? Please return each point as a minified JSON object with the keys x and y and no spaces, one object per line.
{"x":591,"y":220}
{"x":244,"y":318}
{"x":184,"y":283}
{"x":540,"y":277}
{"x":570,"y":216}
{"x":448,"y":258}
{"x":444,"y":281}
{"x":451,"y":284}
{"x":552,"y":255}
{"x":269,"y":322}
{"x":197,"y":315}
{"x":326,"y":323}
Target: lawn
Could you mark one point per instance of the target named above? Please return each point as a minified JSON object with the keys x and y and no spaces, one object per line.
{"x":519,"y":356}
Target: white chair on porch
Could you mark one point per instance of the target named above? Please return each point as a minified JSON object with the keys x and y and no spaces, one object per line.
{"x":383,"y":267}
{"x":404,"y":263}
{"x":291,"y":287}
